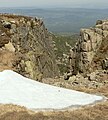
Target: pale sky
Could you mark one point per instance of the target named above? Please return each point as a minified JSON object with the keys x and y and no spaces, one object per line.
{"x":55,"y":3}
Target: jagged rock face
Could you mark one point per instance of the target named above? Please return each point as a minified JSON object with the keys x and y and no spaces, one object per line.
{"x":91,"y":51}
{"x":31,"y":45}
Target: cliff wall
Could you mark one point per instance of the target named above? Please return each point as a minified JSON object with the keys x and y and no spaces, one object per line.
{"x":91,"y":51}
{"x":26,"y":47}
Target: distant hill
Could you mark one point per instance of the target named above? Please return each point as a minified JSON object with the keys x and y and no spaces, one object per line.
{"x":64,"y":20}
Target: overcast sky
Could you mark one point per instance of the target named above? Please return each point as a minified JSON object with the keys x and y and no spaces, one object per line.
{"x":55,"y":3}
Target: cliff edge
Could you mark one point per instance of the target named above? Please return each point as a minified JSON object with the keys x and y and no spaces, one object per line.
{"x":91,"y":51}
{"x":26,"y":47}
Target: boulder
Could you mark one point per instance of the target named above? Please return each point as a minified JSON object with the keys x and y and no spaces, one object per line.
{"x":7,"y":24}
{"x":10,"y":47}
{"x":92,"y":76}
{"x":72,"y":79}
{"x":99,"y":22}
{"x":105,"y":64}
{"x":4,"y":40}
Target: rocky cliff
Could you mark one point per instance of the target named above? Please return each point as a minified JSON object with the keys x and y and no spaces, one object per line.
{"x":91,"y":51}
{"x":26,"y":47}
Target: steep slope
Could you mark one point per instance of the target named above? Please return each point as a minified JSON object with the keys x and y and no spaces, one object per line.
{"x":26,"y":47}
{"x":91,"y":51}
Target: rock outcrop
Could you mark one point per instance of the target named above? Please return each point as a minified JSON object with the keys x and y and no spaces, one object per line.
{"x":91,"y":51}
{"x":26,"y":47}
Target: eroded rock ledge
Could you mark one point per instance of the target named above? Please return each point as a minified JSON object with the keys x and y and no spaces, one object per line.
{"x":89,"y":57}
{"x":91,"y":51}
{"x":26,"y":47}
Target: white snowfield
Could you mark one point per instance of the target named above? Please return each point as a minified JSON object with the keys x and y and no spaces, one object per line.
{"x":16,"y":89}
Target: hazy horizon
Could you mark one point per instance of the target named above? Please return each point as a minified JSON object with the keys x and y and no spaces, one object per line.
{"x":61,"y":3}
{"x":59,"y":16}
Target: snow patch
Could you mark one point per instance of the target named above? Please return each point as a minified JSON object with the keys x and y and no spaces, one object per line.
{"x":16,"y":89}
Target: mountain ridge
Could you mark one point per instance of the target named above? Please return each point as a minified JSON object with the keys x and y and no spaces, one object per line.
{"x":26,"y":47}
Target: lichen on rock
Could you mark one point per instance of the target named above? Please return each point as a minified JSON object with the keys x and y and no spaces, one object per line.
{"x":31,"y":43}
{"x":91,"y":51}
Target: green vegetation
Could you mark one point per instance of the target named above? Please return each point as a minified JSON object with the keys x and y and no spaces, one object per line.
{"x":61,"y":41}
{"x":63,"y":44}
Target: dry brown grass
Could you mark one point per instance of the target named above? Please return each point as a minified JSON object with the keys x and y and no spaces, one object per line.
{"x":10,"y":108}
{"x":6,"y":59}
{"x":14,"y":17}
{"x":96,"y":112}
